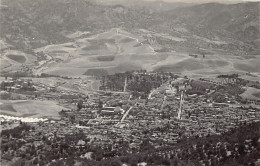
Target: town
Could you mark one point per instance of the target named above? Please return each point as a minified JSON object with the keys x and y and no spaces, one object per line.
{"x":131,"y":113}
{"x":129,"y":83}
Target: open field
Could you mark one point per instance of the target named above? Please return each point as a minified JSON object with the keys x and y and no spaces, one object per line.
{"x":17,"y":58}
{"x":105,"y":50}
{"x":251,"y":93}
{"x":251,"y":77}
{"x":117,"y":50}
{"x":211,"y":64}
{"x":106,"y":58}
{"x":84,"y":84}
{"x":13,"y":60}
{"x":115,"y":41}
{"x":251,"y":66}
{"x":34,"y":109}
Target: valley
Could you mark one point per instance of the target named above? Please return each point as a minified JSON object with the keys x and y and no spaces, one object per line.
{"x":129,"y":83}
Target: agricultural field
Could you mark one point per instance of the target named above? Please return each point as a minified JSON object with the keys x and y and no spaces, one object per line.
{"x":84,"y":84}
{"x":30,"y":108}
{"x":17,"y":58}
{"x":108,"y":51}
{"x":251,"y":77}
{"x":251,"y":93}
{"x":117,"y":50}
{"x":13,"y":60}
{"x":211,"y":64}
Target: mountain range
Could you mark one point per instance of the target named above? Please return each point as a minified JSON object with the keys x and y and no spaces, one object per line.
{"x":27,"y":25}
{"x":44,"y":20}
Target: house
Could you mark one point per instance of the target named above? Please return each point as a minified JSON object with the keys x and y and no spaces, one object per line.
{"x":220,"y":105}
{"x":81,"y":143}
{"x":112,"y":111}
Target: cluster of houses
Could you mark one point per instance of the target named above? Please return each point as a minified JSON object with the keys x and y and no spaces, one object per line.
{"x":17,"y":85}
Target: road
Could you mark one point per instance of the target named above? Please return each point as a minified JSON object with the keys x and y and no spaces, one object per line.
{"x":212,"y":130}
{"x":125,"y":115}
{"x":164,"y":99}
{"x":150,"y":95}
{"x":125,"y":85}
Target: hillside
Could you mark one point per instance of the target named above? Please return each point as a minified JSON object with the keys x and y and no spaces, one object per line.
{"x":68,"y":30}
{"x":239,"y":21}
{"x":117,"y":50}
{"x":42,"y":21}
{"x":114,"y":51}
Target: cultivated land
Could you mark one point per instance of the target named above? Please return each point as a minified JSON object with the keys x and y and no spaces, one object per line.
{"x":108,"y":50}
{"x":251,"y":93}
{"x":33,"y":109}
{"x":118,"y":51}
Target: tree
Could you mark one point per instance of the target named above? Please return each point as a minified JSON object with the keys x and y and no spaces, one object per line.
{"x":146,"y":146}
{"x":133,"y":161}
{"x":115,"y":162}
{"x":241,"y":149}
{"x":255,"y":142}
{"x":98,"y":154}
{"x":223,"y":152}
{"x":35,"y":161}
{"x":100,"y":105}
{"x":80,"y":105}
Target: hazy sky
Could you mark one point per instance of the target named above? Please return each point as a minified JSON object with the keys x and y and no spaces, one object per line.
{"x":203,"y":0}
{"x":194,"y":1}
{"x":199,"y":1}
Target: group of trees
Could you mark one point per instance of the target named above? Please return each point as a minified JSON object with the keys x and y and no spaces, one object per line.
{"x":199,"y":87}
{"x":140,"y":84}
{"x":229,"y":79}
{"x":141,"y":88}
{"x":50,"y":149}
{"x":11,"y":142}
{"x":231,"y":147}
{"x":17,"y":74}
{"x":113,"y":82}
{"x":16,"y":132}
{"x":222,"y":91}
{"x":139,"y":81}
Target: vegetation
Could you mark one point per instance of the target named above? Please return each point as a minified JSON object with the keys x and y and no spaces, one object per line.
{"x":239,"y":146}
{"x":96,"y":72}
{"x":17,"y":132}
{"x":139,"y":84}
{"x":106,"y":58}
{"x":18,"y":58}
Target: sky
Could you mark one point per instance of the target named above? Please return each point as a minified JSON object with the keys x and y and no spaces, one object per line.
{"x":196,"y":1}
{"x":202,"y":0}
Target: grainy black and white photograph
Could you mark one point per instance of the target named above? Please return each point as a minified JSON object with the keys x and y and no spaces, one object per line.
{"x":130,"y":82}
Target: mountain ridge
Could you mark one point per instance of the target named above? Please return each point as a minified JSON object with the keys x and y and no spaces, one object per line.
{"x":212,"y":28}
{"x":46,"y":19}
